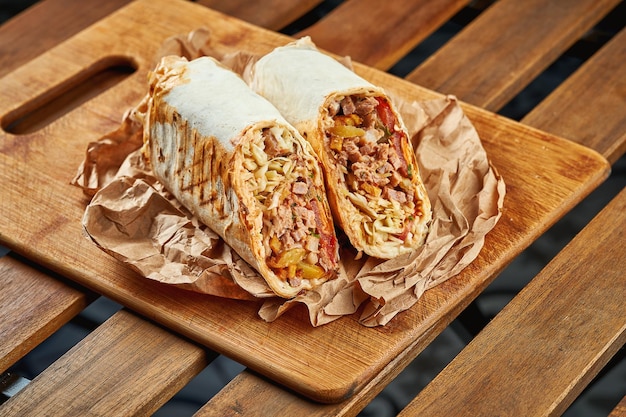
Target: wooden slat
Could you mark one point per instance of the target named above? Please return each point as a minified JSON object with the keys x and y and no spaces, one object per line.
{"x":500,"y":52}
{"x":271,"y":14}
{"x":620,"y":409}
{"x":379,"y":33}
{"x":543,"y":348}
{"x":588,"y":107}
{"x":126,"y":367}
{"x":34,"y":305}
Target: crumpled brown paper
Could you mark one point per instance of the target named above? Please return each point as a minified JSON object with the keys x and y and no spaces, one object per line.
{"x":133,"y":218}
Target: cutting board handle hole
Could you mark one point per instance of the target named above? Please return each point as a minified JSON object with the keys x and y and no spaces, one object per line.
{"x":61,"y":99}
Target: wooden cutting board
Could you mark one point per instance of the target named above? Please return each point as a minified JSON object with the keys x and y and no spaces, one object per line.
{"x":40,"y":212}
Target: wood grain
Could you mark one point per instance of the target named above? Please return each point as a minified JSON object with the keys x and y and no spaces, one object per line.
{"x":379,"y":33}
{"x":34,"y":305}
{"x":580,"y":296}
{"x":251,"y":394}
{"x":594,"y":96}
{"x":126,"y":367}
{"x":43,"y":212}
{"x":509,"y":44}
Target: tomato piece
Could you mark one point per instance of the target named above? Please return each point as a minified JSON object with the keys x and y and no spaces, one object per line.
{"x":385,"y":114}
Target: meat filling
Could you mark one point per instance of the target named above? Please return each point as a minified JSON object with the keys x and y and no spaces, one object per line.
{"x":366,"y":144}
{"x":297,"y":243}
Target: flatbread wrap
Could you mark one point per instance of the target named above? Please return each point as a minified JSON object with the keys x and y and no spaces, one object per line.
{"x":229,"y":157}
{"x":372,"y":177}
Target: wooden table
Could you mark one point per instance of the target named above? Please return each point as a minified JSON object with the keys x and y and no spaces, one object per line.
{"x":41,"y":220}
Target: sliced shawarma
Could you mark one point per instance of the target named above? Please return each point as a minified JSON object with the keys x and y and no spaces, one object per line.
{"x":229,"y":157}
{"x":372,"y":177}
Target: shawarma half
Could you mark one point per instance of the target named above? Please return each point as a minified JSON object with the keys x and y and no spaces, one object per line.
{"x":372,"y":178}
{"x":234,"y":162}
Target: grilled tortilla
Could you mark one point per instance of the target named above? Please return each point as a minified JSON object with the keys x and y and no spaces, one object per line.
{"x":372,"y":178}
{"x":230,"y":158}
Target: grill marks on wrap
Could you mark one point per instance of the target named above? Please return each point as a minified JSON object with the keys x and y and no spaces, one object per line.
{"x":194,"y":138}
{"x":305,"y":246}
{"x":207,"y":164}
